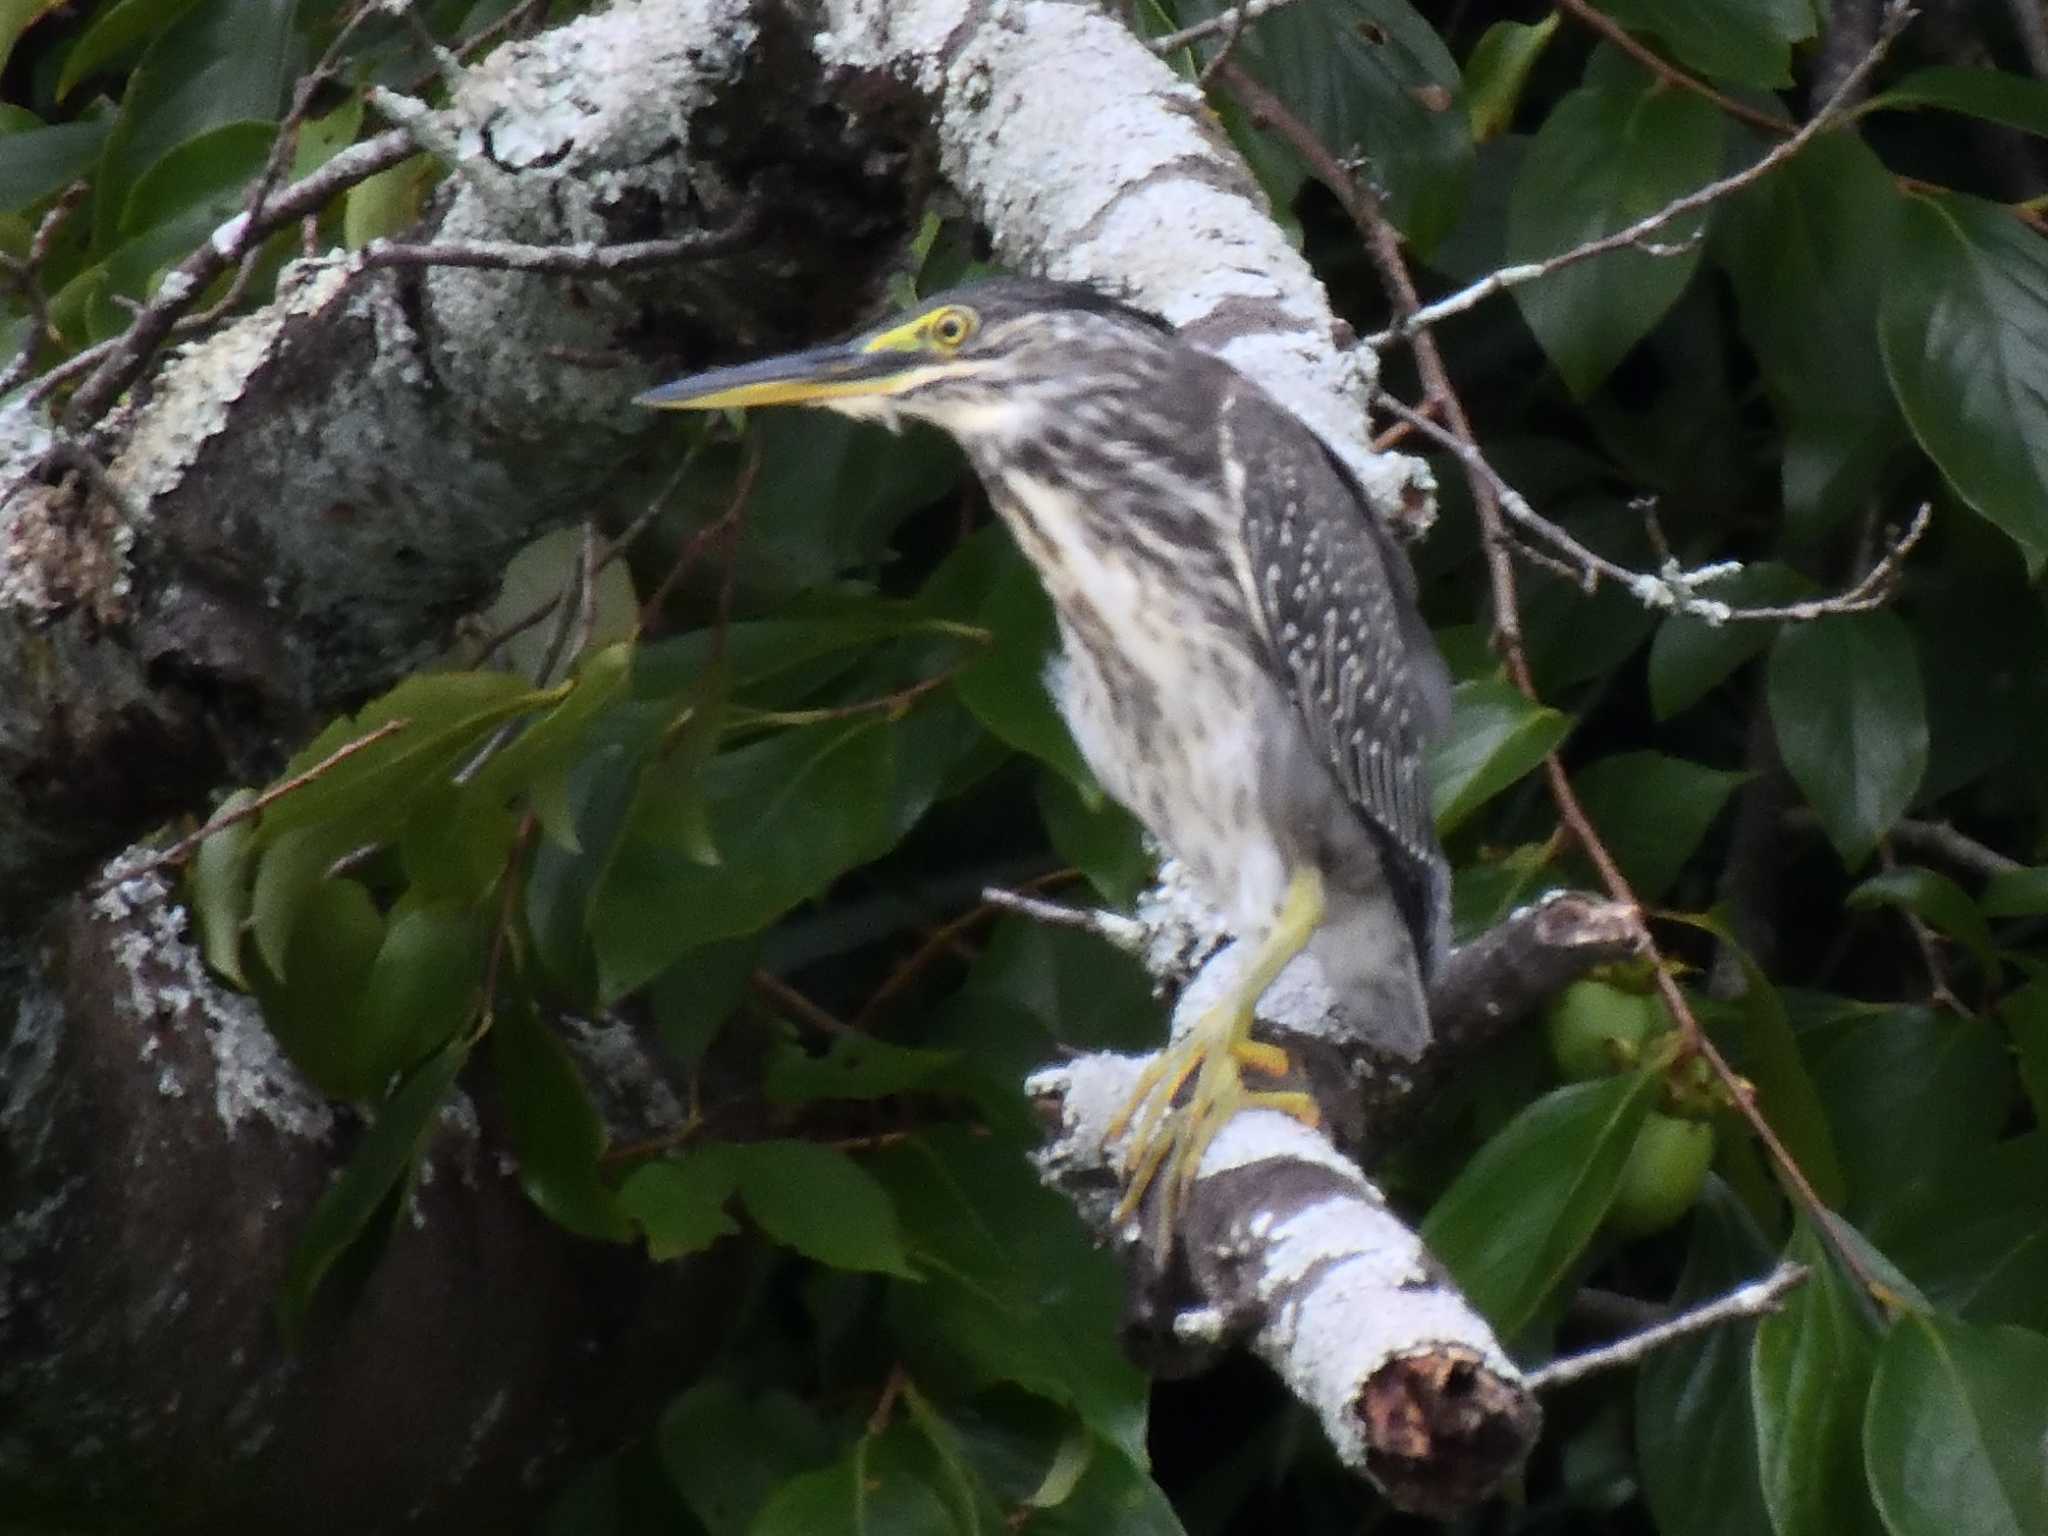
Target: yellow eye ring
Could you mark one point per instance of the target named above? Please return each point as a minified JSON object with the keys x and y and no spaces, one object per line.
{"x":951,"y":327}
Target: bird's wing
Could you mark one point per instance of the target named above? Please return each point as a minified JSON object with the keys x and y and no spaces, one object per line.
{"x":1337,"y":599}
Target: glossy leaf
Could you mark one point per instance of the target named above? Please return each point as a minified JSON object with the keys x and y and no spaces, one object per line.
{"x":1496,"y":736}
{"x":1937,"y":901}
{"x":1851,"y":721}
{"x":788,"y":815}
{"x":1652,"y":812}
{"x":1744,"y":42}
{"x":1808,"y":250}
{"x":1965,"y":329}
{"x":1499,"y":69}
{"x":727,"y":1451}
{"x":40,"y":161}
{"x":116,"y":31}
{"x":1975,"y":1239}
{"x":1810,"y":1375}
{"x":1007,"y":689}
{"x":821,"y":1203}
{"x":208,"y":175}
{"x":422,"y":988}
{"x":1611,"y":152}
{"x":1013,"y":1288}
{"x":1373,"y":75}
{"x":2024,"y":1012}
{"x":680,"y":1202}
{"x":1696,"y":1432}
{"x":1515,"y":1222}
{"x":381,"y":1164}
{"x":1993,"y":95}
{"x":1956,"y":1425}
{"x":1690,"y":658}
{"x":2017,"y":893}
{"x":553,"y":1126}
{"x":315,"y":1007}
{"x":220,"y":889}
{"x":287,"y":874}
{"x":853,"y":1067}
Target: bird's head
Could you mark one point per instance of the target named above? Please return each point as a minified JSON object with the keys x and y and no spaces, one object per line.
{"x":978,"y":360}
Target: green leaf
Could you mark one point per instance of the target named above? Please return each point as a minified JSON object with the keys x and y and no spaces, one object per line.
{"x":1964,"y":322}
{"x":551,"y":739}
{"x":1652,"y":811}
{"x":1608,"y":155}
{"x":728,"y":1451}
{"x":1103,"y":840}
{"x":208,"y":175}
{"x":1851,"y":721}
{"x":386,"y":204}
{"x":2017,"y":893}
{"x":1955,"y":1429}
{"x":114,"y":32}
{"x":1946,"y":1078}
{"x":788,"y":816}
{"x":40,"y":161}
{"x":383,"y":1160}
{"x":1514,"y":1223}
{"x":2024,"y":1012}
{"x":1006,"y":689}
{"x":445,"y":717}
{"x":1938,"y":901}
{"x":422,"y":988}
{"x":1013,"y":1288}
{"x":553,"y":1127}
{"x":1742,"y":42}
{"x":1696,"y":1433}
{"x":821,"y":1203}
{"x":287,"y":874}
{"x":220,"y":889}
{"x":679,"y":1202}
{"x":874,"y":1490}
{"x":1977,"y":1244}
{"x":315,"y":1007}
{"x":1994,"y":95}
{"x":1810,"y":1374}
{"x":1499,"y":69}
{"x":1372,"y":76}
{"x":1496,"y":736}
{"x":1808,"y":250}
{"x":223,"y":61}
{"x":854,"y":1067}
{"x":1690,"y":657}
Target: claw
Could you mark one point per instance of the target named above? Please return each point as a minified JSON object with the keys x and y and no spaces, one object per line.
{"x":1166,"y":1134}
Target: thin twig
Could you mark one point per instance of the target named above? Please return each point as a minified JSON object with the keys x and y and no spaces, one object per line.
{"x":784,"y":996}
{"x":1225,"y":21}
{"x":1756,"y":1299}
{"x":1896,"y":17}
{"x":1939,"y":993}
{"x":941,"y":939}
{"x":183,"y":848}
{"x":1672,"y":589}
{"x":120,"y":362}
{"x":24,"y":272}
{"x":579,"y":260}
{"x":1945,"y":842}
{"x":726,"y":522}
{"x":1126,"y":933}
{"x":1664,"y":70}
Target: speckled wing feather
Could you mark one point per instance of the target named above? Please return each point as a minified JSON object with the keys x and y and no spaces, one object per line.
{"x":1337,"y":599}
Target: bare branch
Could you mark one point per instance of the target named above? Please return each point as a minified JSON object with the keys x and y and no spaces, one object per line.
{"x":1673,"y":588}
{"x":571,"y":260}
{"x":1126,"y":933}
{"x":1895,"y":19}
{"x":1755,"y":1299}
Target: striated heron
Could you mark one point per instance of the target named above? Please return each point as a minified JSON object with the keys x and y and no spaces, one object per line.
{"x":1245,"y":667}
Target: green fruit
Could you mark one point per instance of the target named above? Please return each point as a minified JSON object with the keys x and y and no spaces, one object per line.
{"x":1666,"y":1169}
{"x":1596,"y":1030}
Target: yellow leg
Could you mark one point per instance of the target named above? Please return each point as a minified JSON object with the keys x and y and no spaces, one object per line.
{"x":1212,"y":1053}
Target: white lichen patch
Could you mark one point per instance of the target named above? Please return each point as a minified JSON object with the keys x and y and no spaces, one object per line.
{"x":160,"y":981}
{"x":196,"y":392}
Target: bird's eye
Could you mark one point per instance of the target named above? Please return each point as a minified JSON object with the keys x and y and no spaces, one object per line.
{"x":950,"y":327}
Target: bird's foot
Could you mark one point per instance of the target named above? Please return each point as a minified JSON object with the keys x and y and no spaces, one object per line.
{"x":1170,"y":1134}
